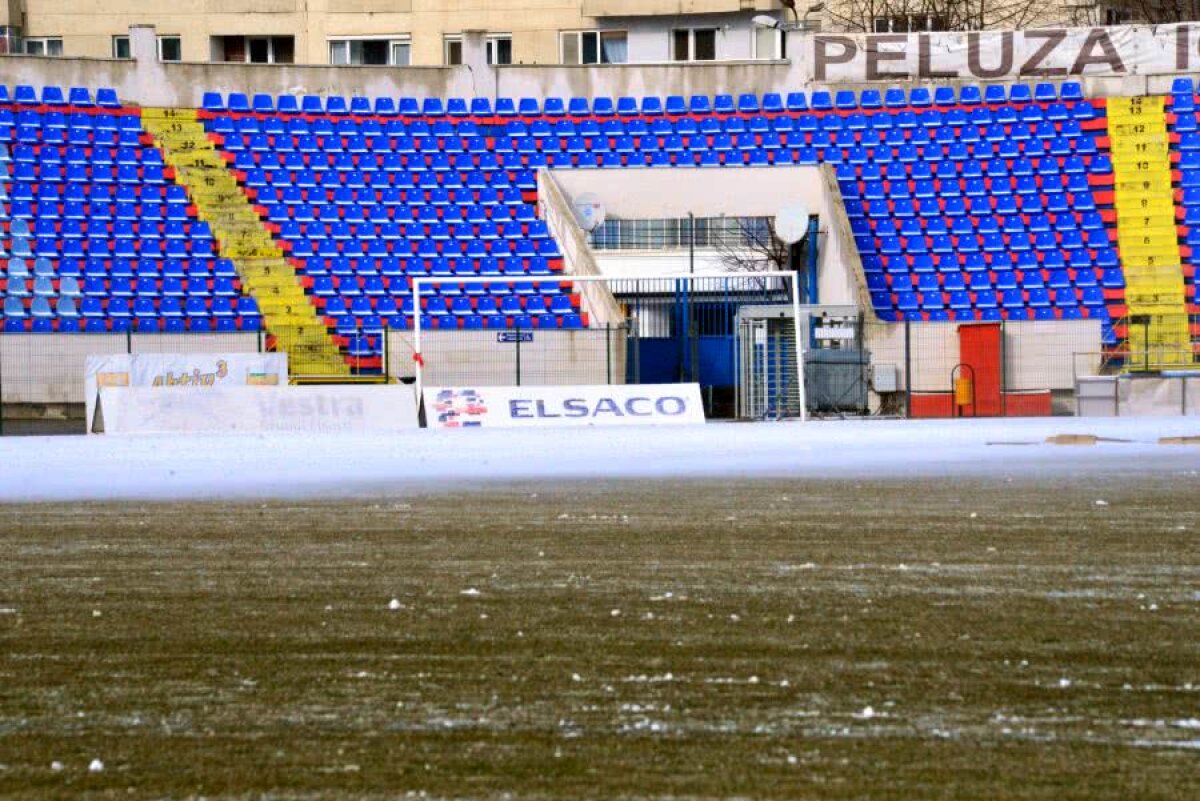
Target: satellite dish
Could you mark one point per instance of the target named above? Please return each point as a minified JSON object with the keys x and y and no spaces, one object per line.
{"x":589,"y":210}
{"x":791,"y":223}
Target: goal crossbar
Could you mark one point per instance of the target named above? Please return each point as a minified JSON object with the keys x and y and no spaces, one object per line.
{"x":421,"y":282}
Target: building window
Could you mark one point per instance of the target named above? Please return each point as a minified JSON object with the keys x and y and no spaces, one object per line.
{"x":694,"y":44}
{"x":711,"y":233}
{"x":44,"y":46}
{"x":395,"y":51}
{"x":595,"y":47}
{"x":912,"y":23}
{"x":770,"y":43}
{"x":499,"y":49}
{"x":257,"y":49}
{"x":169,"y":48}
{"x":1117,"y":16}
{"x":452,"y":49}
{"x":10,"y":39}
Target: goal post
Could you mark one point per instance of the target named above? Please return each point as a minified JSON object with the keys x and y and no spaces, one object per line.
{"x":599,"y":308}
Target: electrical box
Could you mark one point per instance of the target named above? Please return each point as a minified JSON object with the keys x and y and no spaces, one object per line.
{"x":884,"y":378}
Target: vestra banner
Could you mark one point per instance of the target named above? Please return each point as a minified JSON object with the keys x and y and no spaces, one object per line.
{"x":996,"y":55}
{"x":250,"y":409}
{"x":541,"y":407}
{"x":182,"y":371}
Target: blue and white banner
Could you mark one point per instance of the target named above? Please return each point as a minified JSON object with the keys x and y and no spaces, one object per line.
{"x":544,"y":407}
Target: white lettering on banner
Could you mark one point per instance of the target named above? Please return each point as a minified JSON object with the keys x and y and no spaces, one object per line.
{"x":229,"y":410}
{"x":497,"y":407}
{"x":181,"y":371}
{"x":989,"y":55}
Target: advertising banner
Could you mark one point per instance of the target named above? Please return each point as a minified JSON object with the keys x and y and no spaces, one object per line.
{"x":542,"y":407}
{"x":182,"y":371}
{"x":1061,"y":53}
{"x":246,"y":409}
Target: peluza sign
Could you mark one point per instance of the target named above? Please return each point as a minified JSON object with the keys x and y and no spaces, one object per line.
{"x":536,"y":407}
{"x":992,"y":55}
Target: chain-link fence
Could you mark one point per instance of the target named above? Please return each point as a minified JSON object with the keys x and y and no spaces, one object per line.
{"x":739,"y":349}
{"x":985,"y":369}
{"x":42,"y":375}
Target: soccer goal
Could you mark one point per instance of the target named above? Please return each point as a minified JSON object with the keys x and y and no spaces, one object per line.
{"x":641,"y":328}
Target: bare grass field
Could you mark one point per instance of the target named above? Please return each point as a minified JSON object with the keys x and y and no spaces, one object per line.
{"x":934,"y":638}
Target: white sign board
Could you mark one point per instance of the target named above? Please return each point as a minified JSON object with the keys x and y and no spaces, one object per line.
{"x":1060,"y":53}
{"x":539,"y":407}
{"x":181,"y":371}
{"x":232,"y":410}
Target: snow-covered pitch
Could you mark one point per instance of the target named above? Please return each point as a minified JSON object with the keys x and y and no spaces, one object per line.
{"x":286,"y":466}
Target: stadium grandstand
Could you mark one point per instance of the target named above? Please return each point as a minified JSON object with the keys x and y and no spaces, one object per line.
{"x":165,"y":203}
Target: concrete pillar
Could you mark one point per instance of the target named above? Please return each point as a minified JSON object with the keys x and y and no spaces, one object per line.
{"x":474,"y":56}
{"x":152,"y":86}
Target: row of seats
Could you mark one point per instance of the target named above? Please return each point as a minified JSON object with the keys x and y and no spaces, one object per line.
{"x":746,"y":103}
{"x":282,"y":130}
{"x":57,"y":121}
{"x":503,"y":153}
{"x":76,"y":155}
{"x":77,"y":96}
{"x":182,"y":269}
{"x":69,"y":286}
{"x":1186,"y":180}
{"x":115,"y":307}
{"x":355,"y":284}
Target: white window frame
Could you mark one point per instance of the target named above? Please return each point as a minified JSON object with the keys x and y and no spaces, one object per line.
{"x":691,"y":48}
{"x":270,"y":40}
{"x":45,"y":42}
{"x":493,"y":44}
{"x":125,"y":38}
{"x":393,"y":40}
{"x":448,"y":40}
{"x":780,"y":37}
{"x":911,"y":20}
{"x":599,"y":34}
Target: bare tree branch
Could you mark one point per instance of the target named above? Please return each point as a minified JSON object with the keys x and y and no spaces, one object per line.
{"x":755,"y":249}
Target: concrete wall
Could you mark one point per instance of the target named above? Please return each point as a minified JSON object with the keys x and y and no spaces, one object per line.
{"x":48,"y":368}
{"x":744,"y":192}
{"x":149,"y":83}
{"x":1038,"y":354}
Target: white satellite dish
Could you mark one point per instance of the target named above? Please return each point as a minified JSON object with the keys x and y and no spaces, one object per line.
{"x":791,"y":223}
{"x":589,"y":210}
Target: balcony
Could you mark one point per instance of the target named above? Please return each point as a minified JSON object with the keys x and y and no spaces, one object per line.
{"x":654,"y":8}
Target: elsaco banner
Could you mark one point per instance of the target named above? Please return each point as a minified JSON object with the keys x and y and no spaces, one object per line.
{"x":242,"y":409}
{"x":183,"y":371}
{"x":997,"y":55}
{"x":538,"y":407}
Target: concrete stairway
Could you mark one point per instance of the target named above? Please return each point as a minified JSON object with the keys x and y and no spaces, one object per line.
{"x":1159,"y":335}
{"x":287,"y":312}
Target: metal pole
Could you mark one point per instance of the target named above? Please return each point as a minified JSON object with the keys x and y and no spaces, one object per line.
{"x":691,"y":243}
{"x":814,"y":290}
{"x":801,"y":389}
{"x":907,"y":368}
{"x":417,"y":359}
{"x":518,"y":353}
{"x":1003,"y":368}
{"x":607,"y":353}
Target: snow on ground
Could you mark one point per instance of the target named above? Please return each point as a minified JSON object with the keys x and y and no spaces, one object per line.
{"x":166,"y":467}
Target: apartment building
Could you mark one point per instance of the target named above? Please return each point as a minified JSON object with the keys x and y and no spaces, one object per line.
{"x":399,"y":32}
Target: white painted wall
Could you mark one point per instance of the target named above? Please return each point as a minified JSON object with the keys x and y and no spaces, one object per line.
{"x":734,"y":192}
{"x":650,"y":37}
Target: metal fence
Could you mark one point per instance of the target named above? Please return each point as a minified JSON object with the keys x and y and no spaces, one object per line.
{"x":701,"y":332}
